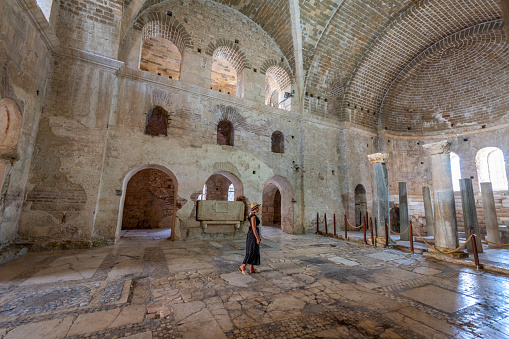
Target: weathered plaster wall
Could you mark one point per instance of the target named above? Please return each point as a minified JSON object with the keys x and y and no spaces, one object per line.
{"x":66,"y":167}
{"x":325,"y":172}
{"x":24,"y":64}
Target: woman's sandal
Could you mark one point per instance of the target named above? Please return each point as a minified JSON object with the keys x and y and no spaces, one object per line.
{"x":241,"y":271}
{"x":254,"y":271}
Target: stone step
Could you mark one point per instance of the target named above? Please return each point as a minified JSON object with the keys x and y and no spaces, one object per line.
{"x":11,"y":253}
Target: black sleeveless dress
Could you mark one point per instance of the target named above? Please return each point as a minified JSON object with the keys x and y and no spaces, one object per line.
{"x":252,"y":248}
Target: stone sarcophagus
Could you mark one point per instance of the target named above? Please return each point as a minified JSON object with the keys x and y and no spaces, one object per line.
{"x":224,"y":216}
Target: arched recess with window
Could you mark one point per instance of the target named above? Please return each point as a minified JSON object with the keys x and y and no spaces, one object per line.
{"x":455,"y":171}
{"x":228,"y":64}
{"x":278,"y":142}
{"x":157,"y":121}
{"x":10,"y":128}
{"x":222,"y":186}
{"x":491,"y":167}
{"x":277,"y":81}
{"x":162,"y":49}
{"x":225,"y":133}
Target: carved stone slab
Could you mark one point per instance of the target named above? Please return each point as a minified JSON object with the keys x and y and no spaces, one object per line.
{"x":213,"y":210}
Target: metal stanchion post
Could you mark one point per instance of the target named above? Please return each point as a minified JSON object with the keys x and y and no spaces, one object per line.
{"x":365,"y":222}
{"x":346,"y":228}
{"x":411,"y":237}
{"x":474,"y":247}
{"x":386,"y":234}
{"x":371,"y":227}
{"x":325,"y":220}
{"x":334,"y":225}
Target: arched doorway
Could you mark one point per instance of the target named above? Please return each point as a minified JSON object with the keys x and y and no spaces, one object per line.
{"x":360,"y":203}
{"x":277,"y":204}
{"x":149,"y":200}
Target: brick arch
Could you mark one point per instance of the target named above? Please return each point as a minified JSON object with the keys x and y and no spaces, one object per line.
{"x":479,"y":47}
{"x":162,"y":29}
{"x":279,"y":71}
{"x":229,"y":51}
{"x":156,"y":23}
{"x":126,"y":180}
{"x":397,"y":43}
{"x":140,"y":12}
{"x":228,"y":113}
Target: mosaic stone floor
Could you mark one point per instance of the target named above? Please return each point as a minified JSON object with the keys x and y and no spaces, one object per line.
{"x":308,"y":287}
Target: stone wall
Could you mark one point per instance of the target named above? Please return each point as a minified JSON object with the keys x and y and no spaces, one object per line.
{"x":24,"y":64}
{"x":92,"y":25}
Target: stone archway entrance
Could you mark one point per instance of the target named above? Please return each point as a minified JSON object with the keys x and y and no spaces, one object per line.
{"x":149,"y":200}
{"x":360,"y":203}
{"x":277,"y":204}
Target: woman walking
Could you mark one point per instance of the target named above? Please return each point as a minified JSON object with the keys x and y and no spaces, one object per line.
{"x":252,"y":242}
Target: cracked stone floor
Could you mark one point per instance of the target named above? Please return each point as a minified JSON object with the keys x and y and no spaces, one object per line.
{"x":308,"y":286}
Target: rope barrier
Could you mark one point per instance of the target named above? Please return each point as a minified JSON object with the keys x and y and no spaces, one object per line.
{"x":399,"y":233}
{"x":448,"y":252}
{"x":339,"y":226}
{"x":470,"y":237}
{"x":420,"y":236}
{"x":353,"y":225}
{"x":494,"y":243}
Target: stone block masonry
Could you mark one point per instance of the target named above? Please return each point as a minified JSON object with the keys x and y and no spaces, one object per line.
{"x":92,"y":25}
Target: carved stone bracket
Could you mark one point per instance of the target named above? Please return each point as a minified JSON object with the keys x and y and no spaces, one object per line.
{"x":378,"y":158}
{"x":441,"y":147}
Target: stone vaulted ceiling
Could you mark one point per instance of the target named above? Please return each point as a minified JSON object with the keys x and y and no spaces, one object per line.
{"x":273,"y":16}
{"x":358,"y":46}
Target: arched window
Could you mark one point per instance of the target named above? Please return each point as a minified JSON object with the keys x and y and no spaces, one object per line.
{"x":227,"y":71}
{"x":203,"y":195}
{"x":222,"y":186}
{"x":491,"y":167}
{"x":225,"y":133}
{"x":45,"y":6}
{"x":277,"y":83}
{"x":456,"y":171}
{"x":278,"y":142}
{"x":162,"y":49}
{"x":157,"y":122}
{"x":274,"y":99}
{"x":231,"y":193}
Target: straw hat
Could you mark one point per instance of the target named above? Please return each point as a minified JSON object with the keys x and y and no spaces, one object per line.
{"x":255,"y":205}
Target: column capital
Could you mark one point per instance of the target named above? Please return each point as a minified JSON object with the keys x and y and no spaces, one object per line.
{"x":378,"y":158}
{"x":440,"y":147}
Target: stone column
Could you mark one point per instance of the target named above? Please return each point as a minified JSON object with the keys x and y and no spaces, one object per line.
{"x":403,"y":211}
{"x":381,"y":194}
{"x":470,"y":213}
{"x":446,"y":229}
{"x":428,"y":211}
{"x":490,"y":214}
